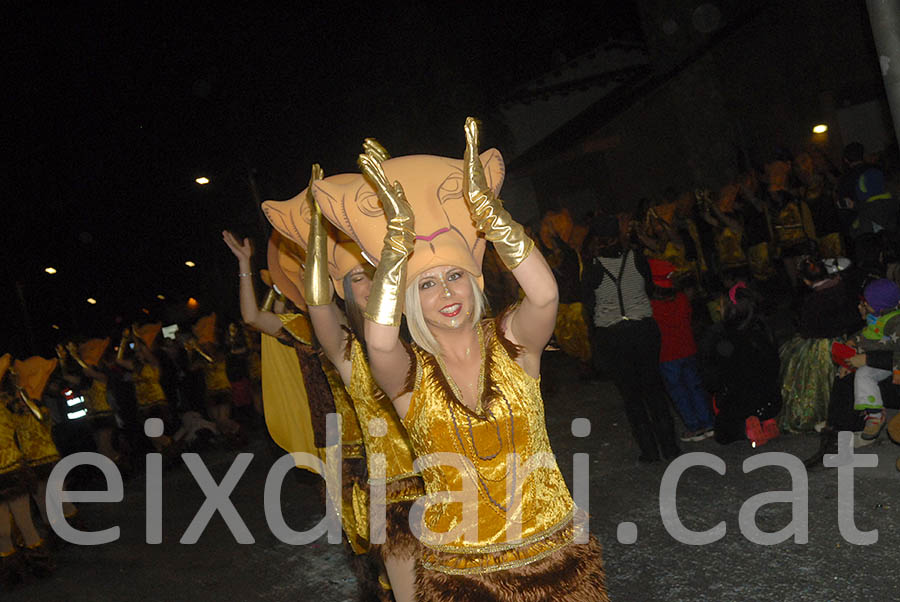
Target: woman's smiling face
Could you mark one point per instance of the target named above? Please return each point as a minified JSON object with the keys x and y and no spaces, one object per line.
{"x":446,"y":296}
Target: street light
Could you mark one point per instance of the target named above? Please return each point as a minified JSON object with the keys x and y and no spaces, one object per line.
{"x":203,"y":181}
{"x":161,"y":297}
{"x":190,"y":264}
{"x":820,"y":129}
{"x":92,"y":301}
{"x":50,"y":270}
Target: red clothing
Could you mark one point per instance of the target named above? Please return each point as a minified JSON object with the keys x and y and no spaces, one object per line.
{"x":673,"y":316}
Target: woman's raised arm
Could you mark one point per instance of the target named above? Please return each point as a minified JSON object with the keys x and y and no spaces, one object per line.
{"x":265,"y":321}
{"x":327,"y":320}
{"x":388,"y":358}
{"x":531,"y":324}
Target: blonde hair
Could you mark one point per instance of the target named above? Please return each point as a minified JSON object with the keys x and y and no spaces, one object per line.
{"x":415,"y":319}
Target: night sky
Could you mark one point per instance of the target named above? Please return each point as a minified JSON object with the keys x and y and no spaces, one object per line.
{"x":118,"y":108}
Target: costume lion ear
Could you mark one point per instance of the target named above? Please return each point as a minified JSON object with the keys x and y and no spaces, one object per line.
{"x":34,"y":373}
{"x":494,"y":169}
{"x":5,"y":361}
{"x":285,"y":260}
{"x":348,"y":202}
{"x":290,"y":217}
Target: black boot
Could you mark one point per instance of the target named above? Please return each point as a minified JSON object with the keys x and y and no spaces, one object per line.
{"x":38,"y":560}
{"x":647,"y":442}
{"x":11,"y":571}
{"x":827,"y":445}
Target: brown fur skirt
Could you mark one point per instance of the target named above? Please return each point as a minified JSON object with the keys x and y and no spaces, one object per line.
{"x":573,"y":573}
{"x":16,"y":483}
{"x":399,"y":542}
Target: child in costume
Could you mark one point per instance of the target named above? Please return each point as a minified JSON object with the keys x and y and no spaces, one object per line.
{"x":678,"y":353}
{"x":335,"y":262}
{"x":882,"y":333}
{"x":807,"y":371}
{"x":469,"y":389}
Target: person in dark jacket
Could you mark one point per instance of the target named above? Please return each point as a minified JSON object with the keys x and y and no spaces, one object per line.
{"x":740,"y":367}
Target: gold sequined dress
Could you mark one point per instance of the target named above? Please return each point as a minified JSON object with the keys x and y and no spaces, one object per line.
{"x":35,"y":440}
{"x":389,"y":461}
{"x":147,"y":388}
{"x":13,"y":471}
{"x":520,"y":542}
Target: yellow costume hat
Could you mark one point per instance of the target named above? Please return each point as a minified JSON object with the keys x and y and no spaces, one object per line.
{"x":91,"y":351}
{"x":5,"y":361}
{"x":34,"y":374}
{"x":286,"y":259}
{"x":205,"y":329}
{"x":445,"y":233}
{"x":291,"y":218}
{"x":148,"y":333}
{"x":665,"y":212}
{"x":777,"y":175}
{"x":266,"y":276}
{"x":727,"y":196}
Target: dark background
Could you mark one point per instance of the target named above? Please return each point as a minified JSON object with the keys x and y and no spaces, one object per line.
{"x":117,"y":108}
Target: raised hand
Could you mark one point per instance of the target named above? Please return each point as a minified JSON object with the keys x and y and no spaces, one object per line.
{"x":385,"y":301}
{"x":316,"y":283}
{"x":242,"y":250}
{"x":475,"y":186}
{"x":397,"y":210}
{"x":498,"y":226}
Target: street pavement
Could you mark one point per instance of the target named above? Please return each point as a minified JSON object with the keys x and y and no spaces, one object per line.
{"x":656,"y":566}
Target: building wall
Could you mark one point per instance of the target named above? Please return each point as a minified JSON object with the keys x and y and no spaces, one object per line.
{"x":763,"y":87}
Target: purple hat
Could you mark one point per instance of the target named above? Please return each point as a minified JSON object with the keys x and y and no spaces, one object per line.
{"x":882,"y":295}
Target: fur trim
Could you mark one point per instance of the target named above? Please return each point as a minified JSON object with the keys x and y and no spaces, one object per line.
{"x":366,"y":569}
{"x":318,"y":391}
{"x":15,"y":484}
{"x":574,"y":573}
{"x":42,"y":471}
{"x":399,"y":540}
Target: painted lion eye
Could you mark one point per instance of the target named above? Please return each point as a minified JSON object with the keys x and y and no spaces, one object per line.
{"x":454,"y":276}
{"x":451,"y":188}
{"x":368,"y":202}
{"x":426,"y":284}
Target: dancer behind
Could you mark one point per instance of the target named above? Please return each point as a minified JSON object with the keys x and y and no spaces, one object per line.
{"x":740,"y":366}
{"x":726,"y":219}
{"x":342,"y":339}
{"x":151,"y":398}
{"x":237,"y":368}
{"x":283,"y":410}
{"x":218,"y":389}
{"x":15,"y":505}
{"x":807,"y":370}
{"x":470,"y":388}
{"x":33,"y":434}
{"x":92,"y":357}
{"x":795,"y":232}
{"x":882,"y":333}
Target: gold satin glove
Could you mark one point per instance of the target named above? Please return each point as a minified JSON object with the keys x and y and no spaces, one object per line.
{"x":126,"y":335}
{"x":316,"y":283}
{"x":373,"y":148}
{"x":73,"y":353}
{"x":386,"y":298}
{"x":269,"y":300}
{"x":498,"y":226}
